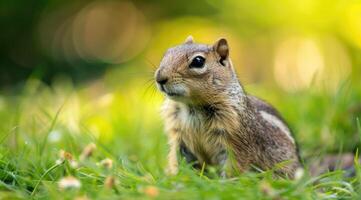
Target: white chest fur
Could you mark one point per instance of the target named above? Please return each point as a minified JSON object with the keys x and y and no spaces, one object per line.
{"x":205,"y":142}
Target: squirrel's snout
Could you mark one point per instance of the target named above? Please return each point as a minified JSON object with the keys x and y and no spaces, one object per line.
{"x":160,"y":78}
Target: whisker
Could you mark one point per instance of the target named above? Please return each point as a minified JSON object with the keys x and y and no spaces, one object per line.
{"x":137,"y":73}
{"x":149,"y":80}
{"x":153,"y":92}
{"x":154,"y":67}
{"x":149,"y":85}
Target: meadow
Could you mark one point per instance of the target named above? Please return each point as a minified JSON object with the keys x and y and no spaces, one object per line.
{"x":110,"y":140}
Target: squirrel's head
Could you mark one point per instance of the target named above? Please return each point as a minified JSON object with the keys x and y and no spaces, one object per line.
{"x":195,"y":73}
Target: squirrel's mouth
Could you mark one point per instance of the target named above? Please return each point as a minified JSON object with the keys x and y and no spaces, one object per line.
{"x":172,"y":90}
{"x":172,"y":94}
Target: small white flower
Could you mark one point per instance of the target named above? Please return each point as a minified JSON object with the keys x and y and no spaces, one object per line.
{"x":59,"y":161}
{"x":66,"y":156}
{"x":69,"y":182}
{"x":87,"y":151}
{"x":106,"y":163}
{"x":299,"y":173}
{"x":110,"y":182}
{"x":74,"y":164}
{"x":55,"y":136}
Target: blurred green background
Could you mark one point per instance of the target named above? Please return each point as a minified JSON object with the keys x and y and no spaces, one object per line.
{"x":93,"y":62}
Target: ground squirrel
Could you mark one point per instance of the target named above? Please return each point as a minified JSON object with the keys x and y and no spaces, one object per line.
{"x":208,"y":115}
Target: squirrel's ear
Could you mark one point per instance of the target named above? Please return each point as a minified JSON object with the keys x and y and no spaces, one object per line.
{"x":221,"y":47}
{"x":189,"y":40}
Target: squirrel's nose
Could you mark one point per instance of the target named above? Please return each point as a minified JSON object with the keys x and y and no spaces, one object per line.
{"x":161,"y":79}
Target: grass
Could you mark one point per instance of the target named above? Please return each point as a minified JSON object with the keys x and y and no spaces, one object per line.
{"x":123,"y":122}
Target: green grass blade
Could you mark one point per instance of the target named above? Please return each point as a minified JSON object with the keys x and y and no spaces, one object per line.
{"x":42,"y":176}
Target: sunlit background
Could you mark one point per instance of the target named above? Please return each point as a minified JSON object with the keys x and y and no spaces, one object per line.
{"x":92,"y":62}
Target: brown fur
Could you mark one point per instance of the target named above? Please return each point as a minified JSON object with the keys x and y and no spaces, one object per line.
{"x":207,"y":113}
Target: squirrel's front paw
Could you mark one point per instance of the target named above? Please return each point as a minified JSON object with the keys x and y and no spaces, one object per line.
{"x":171,"y":170}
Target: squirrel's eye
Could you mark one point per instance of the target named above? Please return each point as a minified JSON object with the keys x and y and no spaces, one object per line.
{"x":197,"y":62}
